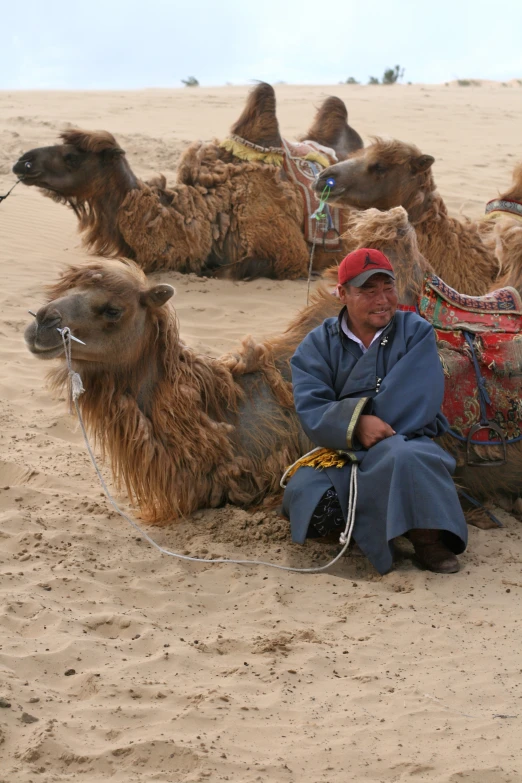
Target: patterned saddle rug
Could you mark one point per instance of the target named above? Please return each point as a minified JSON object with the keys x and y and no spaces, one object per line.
{"x":302,"y":163}
{"x":445,"y":308}
{"x":303,"y":168}
{"x":480,"y":347}
{"x":499,"y":207}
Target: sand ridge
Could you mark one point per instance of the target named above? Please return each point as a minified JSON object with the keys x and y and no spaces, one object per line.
{"x":119,"y":663}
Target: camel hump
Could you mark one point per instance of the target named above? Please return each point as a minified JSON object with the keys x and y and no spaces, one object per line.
{"x":515,"y":192}
{"x":330,"y":128}
{"x":258,"y":121}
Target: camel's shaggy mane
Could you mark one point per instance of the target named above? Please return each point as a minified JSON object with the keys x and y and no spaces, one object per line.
{"x":382,"y":228}
{"x":91,"y":141}
{"x":104,"y":270}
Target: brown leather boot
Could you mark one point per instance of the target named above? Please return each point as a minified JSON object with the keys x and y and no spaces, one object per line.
{"x":432,"y":553}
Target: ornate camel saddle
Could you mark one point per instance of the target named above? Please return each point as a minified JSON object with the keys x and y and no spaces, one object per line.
{"x":480,"y":347}
{"x":499,"y":207}
{"x":302,"y":163}
{"x":445,"y":308}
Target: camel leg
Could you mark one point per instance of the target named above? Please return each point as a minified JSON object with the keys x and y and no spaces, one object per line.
{"x":477,"y":517}
{"x":251,"y":268}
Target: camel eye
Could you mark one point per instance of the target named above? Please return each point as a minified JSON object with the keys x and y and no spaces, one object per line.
{"x":377,"y":168}
{"x":72,"y":161}
{"x":112,"y":313}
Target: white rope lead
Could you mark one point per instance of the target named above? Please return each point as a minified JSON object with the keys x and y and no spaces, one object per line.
{"x":345,"y":537}
{"x":311,"y":264}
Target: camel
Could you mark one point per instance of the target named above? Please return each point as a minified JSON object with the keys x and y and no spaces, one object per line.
{"x":233,"y":210}
{"x":185,"y":431}
{"x":392,"y":173}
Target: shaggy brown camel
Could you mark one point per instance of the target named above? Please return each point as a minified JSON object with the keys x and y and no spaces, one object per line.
{"x":185,"y":431}
{"x":392,"y":173}
{"x":226,"y":214}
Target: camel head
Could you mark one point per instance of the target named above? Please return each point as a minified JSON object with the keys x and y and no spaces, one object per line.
{"x":258,"y":121}
{"x":330,"y":128}
{"x":384,"y":175}
{"x":391,"y":233}
{"x":107,"y":304}
{"x":78,"y":168}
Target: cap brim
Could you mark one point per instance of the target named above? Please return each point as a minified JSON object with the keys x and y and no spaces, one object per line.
{"x":361,"y":279}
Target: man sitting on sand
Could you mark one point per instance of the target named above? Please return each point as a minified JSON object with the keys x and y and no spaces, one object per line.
{"x":370,"y":383}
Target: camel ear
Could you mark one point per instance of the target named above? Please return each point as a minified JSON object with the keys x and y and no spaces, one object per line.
{"x":422,"y":163}
{"x":157,"y":295}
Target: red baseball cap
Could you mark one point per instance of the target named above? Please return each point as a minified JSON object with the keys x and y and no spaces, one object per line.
{"x":358,"y":266}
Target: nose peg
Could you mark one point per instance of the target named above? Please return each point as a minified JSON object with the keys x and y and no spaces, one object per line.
{"x":46,"y":318}
{"x":57,"y":320}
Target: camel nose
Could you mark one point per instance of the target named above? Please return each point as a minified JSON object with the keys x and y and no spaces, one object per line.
{"x":324,"y":180}
{"x":48,"y":317}
{"x":23,"y":167}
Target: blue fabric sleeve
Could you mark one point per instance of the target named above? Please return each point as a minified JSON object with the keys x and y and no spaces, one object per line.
{"x":328,"y":422}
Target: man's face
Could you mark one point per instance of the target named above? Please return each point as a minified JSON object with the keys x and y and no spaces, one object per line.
{"x":371,"y":306}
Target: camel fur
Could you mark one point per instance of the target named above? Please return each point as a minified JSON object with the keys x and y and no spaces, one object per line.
{"x":331,"y":129}
{"x":465,"y":254}
{"x":224,"y":215}
{"x":184,"y":431}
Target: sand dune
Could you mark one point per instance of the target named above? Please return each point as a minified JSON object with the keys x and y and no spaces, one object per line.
{"x":119,"y":663}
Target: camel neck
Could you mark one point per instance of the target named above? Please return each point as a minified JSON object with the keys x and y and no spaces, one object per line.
{"x":99,"y":213}
{"x":454,"y":249}
{"x":426,"y":206}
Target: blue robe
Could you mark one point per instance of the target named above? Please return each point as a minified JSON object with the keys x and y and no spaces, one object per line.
{"x":404,"y":482}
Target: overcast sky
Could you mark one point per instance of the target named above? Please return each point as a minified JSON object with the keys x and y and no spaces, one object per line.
{"x":155,"y":43}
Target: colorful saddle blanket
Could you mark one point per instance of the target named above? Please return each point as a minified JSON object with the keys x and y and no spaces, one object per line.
{"x":302,"y":163}
{"x":499,"y":207}
{"x":445,"y":308}
{"x":303,"y":167}
{"x":494,"y":325}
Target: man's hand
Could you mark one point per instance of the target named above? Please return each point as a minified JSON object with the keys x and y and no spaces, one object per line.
{"x":371,"y":429}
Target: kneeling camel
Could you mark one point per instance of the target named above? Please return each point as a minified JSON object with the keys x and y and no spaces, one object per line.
{"x":233,"y":210}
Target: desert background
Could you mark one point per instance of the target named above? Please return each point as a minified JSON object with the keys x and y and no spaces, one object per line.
{"x":119,"y":663}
